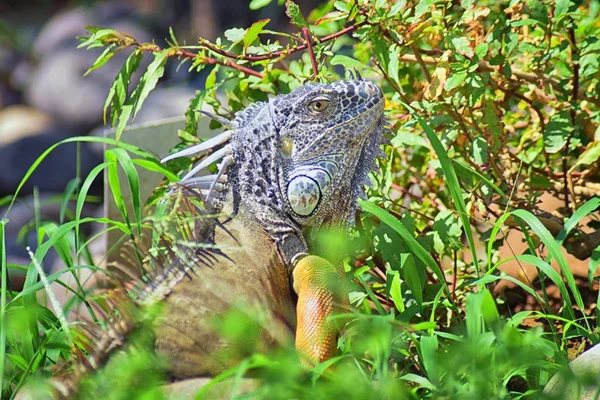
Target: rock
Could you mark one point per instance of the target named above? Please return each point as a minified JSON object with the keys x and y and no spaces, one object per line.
{"x":20,"y":121}
{"x":55,"y":82}
{"x":54,"y":172}
{"x":580,"y":382}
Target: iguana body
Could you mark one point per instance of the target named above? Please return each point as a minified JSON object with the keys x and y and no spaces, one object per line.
{"x":290,"y":167}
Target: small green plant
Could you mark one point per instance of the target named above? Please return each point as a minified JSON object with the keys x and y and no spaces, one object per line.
{"x":490,"y":104}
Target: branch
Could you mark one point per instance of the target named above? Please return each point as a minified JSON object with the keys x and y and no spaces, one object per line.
{"x":280,"y":53}
{"x":311,"y":53}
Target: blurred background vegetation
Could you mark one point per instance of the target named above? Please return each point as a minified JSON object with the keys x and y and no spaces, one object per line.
{"x":473,"y":264}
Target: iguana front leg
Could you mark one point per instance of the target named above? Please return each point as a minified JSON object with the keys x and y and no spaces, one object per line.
{"x":321,"y":293}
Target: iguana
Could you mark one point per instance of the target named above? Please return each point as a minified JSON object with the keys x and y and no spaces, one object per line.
{"x":290,"y":166}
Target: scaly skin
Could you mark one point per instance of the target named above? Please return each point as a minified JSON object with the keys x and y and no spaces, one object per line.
{"x":321,"y":294}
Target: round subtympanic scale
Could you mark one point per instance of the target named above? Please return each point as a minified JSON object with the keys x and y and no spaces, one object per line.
{"x":303,"y":194}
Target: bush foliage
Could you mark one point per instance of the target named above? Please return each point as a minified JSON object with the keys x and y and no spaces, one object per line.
{"x":491,"y":105}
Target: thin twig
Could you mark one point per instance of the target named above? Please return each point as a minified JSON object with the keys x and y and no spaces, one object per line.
{"x":280,"y":53}
{"x":311,"y":52}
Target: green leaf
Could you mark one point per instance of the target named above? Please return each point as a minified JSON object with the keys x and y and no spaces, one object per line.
{"x":412,"y":278}
{"x":235,"y":35}
{"x":429,"y":347}
{"x":254,"y":31}
{"x":149,"y":80}
{"x":396,"y":291}
{"x":481,"y":50}
{"x":489,"y":311}
{"x":295,"y":15}
{"x":191,"y":114}
{"x":593,"y":265}
{"x":589,"y":156}
{"x":258,"y":4}
{"x":455,"y":80}
{"x":447,"y":225}
{"x":561,"y":7}
{"x":463,"y":46}
{"x":396,"y":8}
{"x":106,"y":55}
{"x":346,"y":62}
{"x":415,"y":247}
{"x":556,"y":133}
{"x":394,"y":64}
{"x":118,"y":91}
{"x":451,"y":180}
{"x":66,"y":198}
{"x":480,"y":151}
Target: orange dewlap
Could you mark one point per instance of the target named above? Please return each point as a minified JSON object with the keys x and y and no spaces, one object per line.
{"x":321,"y":293}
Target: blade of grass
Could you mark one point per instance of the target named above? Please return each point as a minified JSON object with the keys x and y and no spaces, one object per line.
{"x":556,"y":253}
{"x":583,"y":211}
{"x":451,"y":181}
{"x":3,"y":290}
{"x":69,"y":191}
{"x":408,"y":238}
{"x":90,"y":139}
{"x":134,"y":184}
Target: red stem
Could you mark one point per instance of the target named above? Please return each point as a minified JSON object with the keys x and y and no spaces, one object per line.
{"x":311,"y":52}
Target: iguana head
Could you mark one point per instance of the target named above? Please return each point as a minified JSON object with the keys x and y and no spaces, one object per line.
{"x":329,"y":136}
{"x":301,"y":159}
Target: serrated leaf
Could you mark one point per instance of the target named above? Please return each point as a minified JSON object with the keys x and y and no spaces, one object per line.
{"x":148,"y":82}
{"x":332,"y":16}
{"x":173,"y":37}
{"x":253,"y":32}
{"x":557,"y":132}
{"x":235,"y":35}
{"x":118,"y":91}
{"x":258,"y":4}
{"x":481,"y":50}
{"x":346,"y":62}
{"x":394,"y":64}
{"x":480,"y":151}
{"x":191,"y":114}
{"x":463,"y":46}
{"x":412,"y":278}
{"x":106,"y":55}
{"x":589,"y":156}
{"x":295,"y":15}
{"x":396,"y":291}
{"x":396,"y":8}
{"x":455,"y":80}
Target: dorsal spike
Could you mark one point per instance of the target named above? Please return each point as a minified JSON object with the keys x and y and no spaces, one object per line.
{"x":222,"y":168}
{"x":200,"y":147}
{"x":217,"y":155}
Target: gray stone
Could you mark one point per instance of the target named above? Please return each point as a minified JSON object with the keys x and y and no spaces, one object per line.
{"x":580,"y":382}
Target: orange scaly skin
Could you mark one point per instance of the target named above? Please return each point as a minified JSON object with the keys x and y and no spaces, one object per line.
{"x":321,"y":294}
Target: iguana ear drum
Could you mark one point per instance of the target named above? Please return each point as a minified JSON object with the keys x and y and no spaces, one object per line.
{"x":305,"y":190}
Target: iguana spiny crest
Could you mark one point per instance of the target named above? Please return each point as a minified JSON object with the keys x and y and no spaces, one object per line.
{"x":299,"y":160}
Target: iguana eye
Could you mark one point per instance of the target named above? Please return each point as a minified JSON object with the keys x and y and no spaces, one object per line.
{"x":319,"y":104}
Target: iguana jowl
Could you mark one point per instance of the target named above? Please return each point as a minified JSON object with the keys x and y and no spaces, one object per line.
{"x":290,"y":166}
